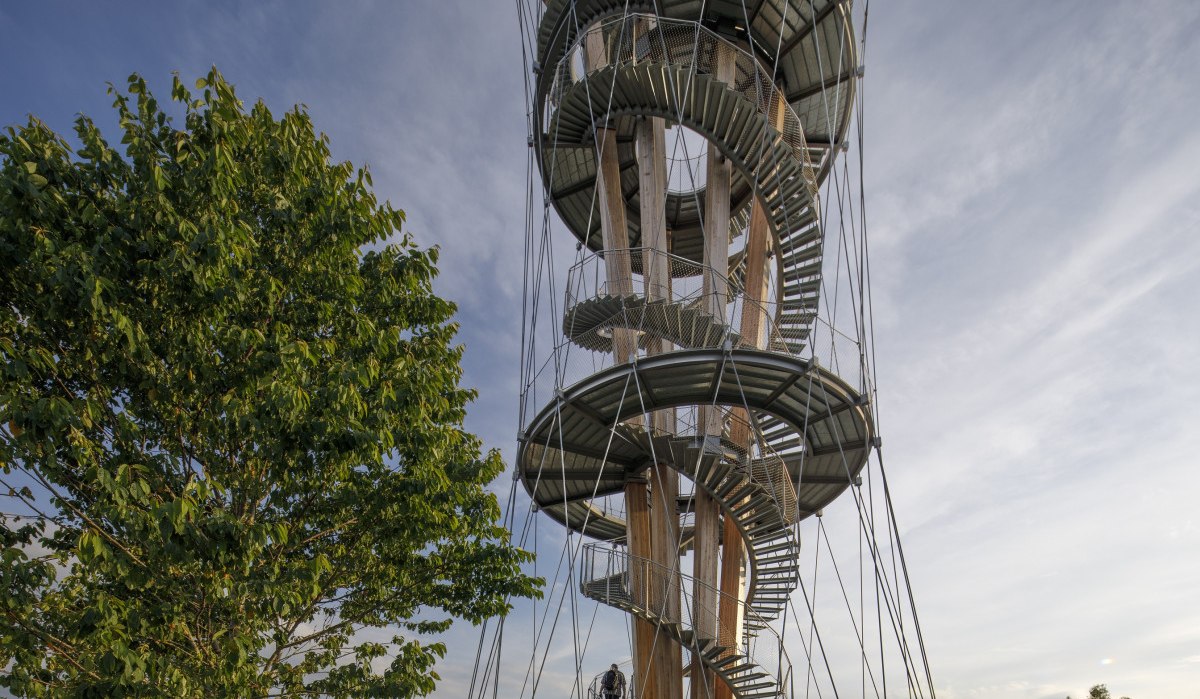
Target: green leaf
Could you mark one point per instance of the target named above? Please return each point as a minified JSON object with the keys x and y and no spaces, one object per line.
{"x":264,"y":420}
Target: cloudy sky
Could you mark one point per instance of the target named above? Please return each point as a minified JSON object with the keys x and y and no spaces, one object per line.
{"x":1033,"y":192}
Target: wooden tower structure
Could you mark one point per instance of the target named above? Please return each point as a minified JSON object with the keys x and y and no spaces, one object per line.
{"x":681,"y":422}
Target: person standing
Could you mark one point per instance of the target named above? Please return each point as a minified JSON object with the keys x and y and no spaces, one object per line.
{"x":612,"y":686}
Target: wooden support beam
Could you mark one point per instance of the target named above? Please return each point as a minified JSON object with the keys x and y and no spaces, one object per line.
{"x":613,"y":224}
{"x":650,"y":136}
{"x":706,"y":556}
{"x":664,"y":599}
{"x":652,"y":188}
{"x":637,"y":523}
{"x":758,"y":243}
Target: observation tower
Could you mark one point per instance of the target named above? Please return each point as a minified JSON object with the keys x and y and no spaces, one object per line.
{"x":689,"y":396}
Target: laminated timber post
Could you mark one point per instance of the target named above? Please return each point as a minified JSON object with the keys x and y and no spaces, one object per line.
{"x":732,"y":551}
{"x":715,"y":291}
{"x":758,"y":243}
{"x":664,"y":521}
{"x":619,"y":278}
{"x":613,"y":224}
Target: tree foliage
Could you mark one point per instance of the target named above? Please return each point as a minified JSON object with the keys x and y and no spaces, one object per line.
{"x":238,"y":431}
{"x":1099,"y":691}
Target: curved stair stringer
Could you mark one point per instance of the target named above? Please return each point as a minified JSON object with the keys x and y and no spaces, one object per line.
{"x":746,"y":678}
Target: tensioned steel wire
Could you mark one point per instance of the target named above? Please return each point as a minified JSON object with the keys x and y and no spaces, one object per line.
{"x":865,"y":377}
{"x":864,"y":317}
{"x":563,"y":363}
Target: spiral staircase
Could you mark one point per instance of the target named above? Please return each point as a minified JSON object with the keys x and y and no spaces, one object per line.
{"x":790,"y":436}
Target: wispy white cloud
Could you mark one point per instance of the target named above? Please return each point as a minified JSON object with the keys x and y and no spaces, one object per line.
{"x":1037,"y":373}
{"x":1033,"y":205}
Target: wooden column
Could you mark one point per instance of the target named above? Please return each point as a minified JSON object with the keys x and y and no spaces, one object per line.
{"x":637,"y":523}
{"x":615,"y":233}
{"x":664,"y":518}
{"x":758,"y":244}
{"x":652,"y":194}
{"x":715,"y":292}
{"x":619,"y":278}
{"x":733,"y":552}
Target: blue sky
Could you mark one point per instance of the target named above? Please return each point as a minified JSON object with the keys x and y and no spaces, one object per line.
{"x":1033,"y":194}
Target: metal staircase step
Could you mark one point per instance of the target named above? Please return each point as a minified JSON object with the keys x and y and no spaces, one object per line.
{"x":729,"y":661}
{"x":748,"y":489}
{"x":753,"y":676}
{"x":755,"y":502}
{"x":757,"y":685}
{"x":730,"y":484}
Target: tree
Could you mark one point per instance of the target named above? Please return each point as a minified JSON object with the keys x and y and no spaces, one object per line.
{"x":233,"y":416}
{"x":1099,"y":691}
